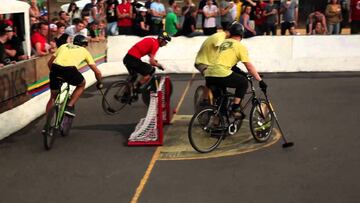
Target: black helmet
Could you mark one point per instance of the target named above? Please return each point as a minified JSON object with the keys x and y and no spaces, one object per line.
{"x":80,"y":40}
{"x":164,"y":36}
{"x":231,"y":24}
{"x":236,"y":29}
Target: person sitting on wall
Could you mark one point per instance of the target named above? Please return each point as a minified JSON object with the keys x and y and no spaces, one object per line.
{"x":319,"y":29}
{"x":78,"y":28}
{"x":313,"y":19}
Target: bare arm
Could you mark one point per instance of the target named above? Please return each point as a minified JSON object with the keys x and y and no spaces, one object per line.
{"x":252,"y":70}
{"x":96,"y":71}
{"x":38,"y":49}
{"x":50,"y":62}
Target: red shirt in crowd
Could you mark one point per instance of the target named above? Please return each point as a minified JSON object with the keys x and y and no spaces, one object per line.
{"x":355,"y":10}
{"x":124,"y":8}
{"x":37,"y":37}
{"x":259,"y":10}
{"x":147,"y":46}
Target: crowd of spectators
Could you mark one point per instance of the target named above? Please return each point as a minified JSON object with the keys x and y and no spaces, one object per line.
{"x":101,"y":18}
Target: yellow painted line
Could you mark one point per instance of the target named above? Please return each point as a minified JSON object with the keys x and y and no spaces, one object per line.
{"x":184,"y":94}
{"x":156,"y":154}
{"x":145,"y":178}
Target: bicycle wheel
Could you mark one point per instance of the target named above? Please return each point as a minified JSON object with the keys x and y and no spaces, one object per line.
{"x":145,"y":95}
{"x":66,"y":125}
{"x":200,"y":101}
{"x":116,"y":96}
{"x":261,"y":121}
{"x":206,"y":130}
{"x":50,"y":128}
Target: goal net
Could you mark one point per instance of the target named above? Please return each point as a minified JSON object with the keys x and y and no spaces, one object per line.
{"x":149,"y":130}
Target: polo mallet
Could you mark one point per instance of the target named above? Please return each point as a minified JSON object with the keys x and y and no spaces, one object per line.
{"x":286,"y":144}
{"x":99,"y":86}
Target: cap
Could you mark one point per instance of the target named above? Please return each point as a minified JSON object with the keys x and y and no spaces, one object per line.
{"x":142,"y":9}
{"x":53,"y":26}
{"x":5,"y":28}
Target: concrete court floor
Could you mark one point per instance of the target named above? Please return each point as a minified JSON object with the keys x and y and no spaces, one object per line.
{"x":319,"y":112}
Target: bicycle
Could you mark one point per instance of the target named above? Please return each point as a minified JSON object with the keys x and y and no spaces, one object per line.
{"x":213,"y":121}
{"x":123,"y":92}
{"x":56,"y":120}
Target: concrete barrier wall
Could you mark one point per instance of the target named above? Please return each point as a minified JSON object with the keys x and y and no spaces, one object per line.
{"x":269,"y":54}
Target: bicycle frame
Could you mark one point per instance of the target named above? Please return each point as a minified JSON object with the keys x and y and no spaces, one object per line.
{"x":61,"y":104}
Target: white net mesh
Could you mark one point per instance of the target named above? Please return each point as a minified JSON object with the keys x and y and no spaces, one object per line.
{"x":147,"y":128}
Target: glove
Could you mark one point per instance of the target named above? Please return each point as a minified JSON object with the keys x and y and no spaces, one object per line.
{"x":161,"y":67}
{"x":99,"y":85}
{"x":262,"y":85}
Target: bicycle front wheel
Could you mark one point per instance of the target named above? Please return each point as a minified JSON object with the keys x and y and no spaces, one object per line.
{"x":116,"y":96}
{"x":261,"y":121}
{"x":145,"y":95}
{"x":50,"y":128}
{"x":206,"y":130}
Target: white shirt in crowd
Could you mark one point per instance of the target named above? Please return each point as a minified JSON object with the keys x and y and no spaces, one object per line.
{"x":210,"y":22}
{"x":71,"y":31}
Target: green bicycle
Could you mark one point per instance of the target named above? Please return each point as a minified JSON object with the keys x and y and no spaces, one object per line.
{"x":56,"y":121}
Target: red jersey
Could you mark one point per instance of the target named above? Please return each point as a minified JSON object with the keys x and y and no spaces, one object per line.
{"x":355,"y":10}
{"x":147,"y":46}
{"x":124,"y":8}
{"x":259,"y":10}
{"x":37,"y":37}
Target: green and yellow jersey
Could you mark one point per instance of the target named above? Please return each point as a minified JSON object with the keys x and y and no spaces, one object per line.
{"x":208,"y":51}
{"x":229,"y":54}
{"x":72,"y":55}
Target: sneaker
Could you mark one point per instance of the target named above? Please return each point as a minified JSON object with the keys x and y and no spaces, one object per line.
{"x":237,"y":113}
{"x":70,"y":110}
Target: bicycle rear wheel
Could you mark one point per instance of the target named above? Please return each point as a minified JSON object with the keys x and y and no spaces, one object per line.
{"x":261,"y":121}
{"x":206,"y":130}
{"x":200,"y":101}
{"x":116,"y":96}
{"x":50,"y":128}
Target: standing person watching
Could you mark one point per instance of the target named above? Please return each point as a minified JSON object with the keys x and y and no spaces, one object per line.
{"x":63,"y":64}
{"x":210,"y":12}
{"x":289,"y":11}
{"x":225,"y":14}
{"x":270,"y":13}
{"x":224,"y":74}
{"x":333,"y":17}
{"x":355,"y":16}
{"x":111,"y":17}
{"x":6,"y":32}
{"x":124,"y":14}
{"x":157,"y":10}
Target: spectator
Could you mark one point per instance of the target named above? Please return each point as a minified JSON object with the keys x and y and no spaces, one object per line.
{"x":157,"y":10}
{"x":14,"y":48}
{"x":77,"y":29}
{"x":238,"y":6}
{"x":355,"y":16}
{"x":100,"y":8}
{"x":94,"y":31}
{"x":6,"y":33}
{"x":102,"y":29}
{"x":88,"y":10}
{"x":270,"y":12}
{"x":73,"y":11}
{"x":124,"y":13}
{"x":245,"y":21}
{"x":202,"y":4}
{"x":111,"y":17}
{"x":333,"y":17}
{"x":225,"y":14}
{"x":33,"y":20}
{"x":260,"y":17}
{"x":171,"y":21}
{"x":319,"y":29}
{"x":34,"y":10}
{"x":210,"y":11}
{"x":252,"y":4}
{"x":64,"y":18}
{"x":314,"y":18}
{"x":344,"y":13}
{"x":188,"y":9}
{"x":61,"y":37}
{"x":39,"y":40}
{"x":141,"y":26}
{"x":289,"y":11}
{"x":189,"y":25}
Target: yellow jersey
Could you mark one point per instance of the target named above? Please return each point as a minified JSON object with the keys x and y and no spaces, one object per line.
{"x":208,"y":51}
{"x":72,"y":55}
{"x":229,"y":54}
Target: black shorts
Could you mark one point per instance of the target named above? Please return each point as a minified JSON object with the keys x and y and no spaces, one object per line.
{"x":234,"y":80}
{"x":59,"y":74}
{"x":134,"y":64}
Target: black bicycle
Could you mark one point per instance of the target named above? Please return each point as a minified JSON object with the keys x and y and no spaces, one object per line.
{"x":213,"y":120}
{"x":123,"y":92}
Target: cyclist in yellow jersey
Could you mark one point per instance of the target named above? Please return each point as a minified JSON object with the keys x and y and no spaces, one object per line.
{"x":224,"y":74}
{"x":207,"y":54}
{"x":63,"y":67}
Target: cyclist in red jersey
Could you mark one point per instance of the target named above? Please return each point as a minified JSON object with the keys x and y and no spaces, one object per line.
{"x":147,"y":46}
